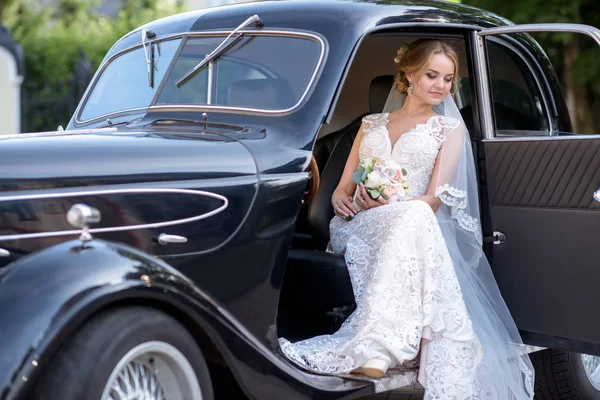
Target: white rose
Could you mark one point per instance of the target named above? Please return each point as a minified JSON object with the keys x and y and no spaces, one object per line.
{"x":373,"y":180}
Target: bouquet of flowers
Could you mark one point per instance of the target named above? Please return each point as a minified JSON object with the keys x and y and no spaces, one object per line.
{"x":382,"y":178}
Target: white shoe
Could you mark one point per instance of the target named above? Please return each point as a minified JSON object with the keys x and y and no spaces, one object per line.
{"x":374,"y":368}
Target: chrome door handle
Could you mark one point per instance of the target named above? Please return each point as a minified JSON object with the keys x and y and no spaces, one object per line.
{"x":499,"y":237}
{"x":4,"y":253}
{"x":165,"y":238}
{"x":597,"y":195}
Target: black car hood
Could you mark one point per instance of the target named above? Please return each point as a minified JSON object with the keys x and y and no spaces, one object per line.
{"x":110,"y":156}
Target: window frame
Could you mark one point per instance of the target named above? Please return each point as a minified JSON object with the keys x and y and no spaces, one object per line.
{"x":482,"y":76}
{"x":511,"y":45}
{"x":184,"y":36}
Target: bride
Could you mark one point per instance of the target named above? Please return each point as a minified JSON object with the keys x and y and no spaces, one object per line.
{"x":424,"y":291}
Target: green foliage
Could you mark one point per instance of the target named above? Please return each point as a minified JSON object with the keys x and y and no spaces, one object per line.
{"x":548,"y":11}
{"x":52,"y":39}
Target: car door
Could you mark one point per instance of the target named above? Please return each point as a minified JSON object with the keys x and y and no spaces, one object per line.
{"x":543,"y":184}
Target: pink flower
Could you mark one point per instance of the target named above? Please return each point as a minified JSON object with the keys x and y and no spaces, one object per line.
{"x":399,"y":175}
{"x":389,"y":191}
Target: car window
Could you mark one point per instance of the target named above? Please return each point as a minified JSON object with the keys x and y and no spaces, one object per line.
{"x":516,"y":97}
{"x":123,"y":84}
{"x":259,"y":72}
{"x":229,"y":72}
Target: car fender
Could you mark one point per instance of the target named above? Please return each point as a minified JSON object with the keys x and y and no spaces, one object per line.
{"x":48,"y":295}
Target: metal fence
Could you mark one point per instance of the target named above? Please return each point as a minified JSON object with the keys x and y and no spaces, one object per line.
{"x":46,"y":106}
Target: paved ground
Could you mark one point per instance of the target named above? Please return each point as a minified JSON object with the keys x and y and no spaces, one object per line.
{"x":394,"y":396}
{"x":401,"y":394}
{"x":226,"y":388}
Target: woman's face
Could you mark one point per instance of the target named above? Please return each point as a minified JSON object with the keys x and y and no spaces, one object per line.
{"x":433,"y":84}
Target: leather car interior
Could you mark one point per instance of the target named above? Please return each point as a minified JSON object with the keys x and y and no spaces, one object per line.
{"x":323,"y":274}
{"x":270,"y":94}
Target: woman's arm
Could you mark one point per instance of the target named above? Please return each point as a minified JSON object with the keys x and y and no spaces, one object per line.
{"x":341,"y":199}
{"x":429,"y":197}
{"x":450,"y":153}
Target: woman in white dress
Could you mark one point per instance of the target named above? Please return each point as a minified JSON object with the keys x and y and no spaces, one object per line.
{"x":424,"y":291}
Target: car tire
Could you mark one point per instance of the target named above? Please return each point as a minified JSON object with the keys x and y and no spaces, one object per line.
{"x":124,"y":347}
{"x":561,"y":375}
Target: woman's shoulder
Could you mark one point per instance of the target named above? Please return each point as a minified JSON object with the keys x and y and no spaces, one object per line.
{"x":449,"y":123}
{"x":442,"y":126}
{"x":374,"y":119}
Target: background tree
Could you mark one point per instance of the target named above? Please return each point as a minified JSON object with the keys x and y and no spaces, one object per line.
{"x":60,"y":39}
{"x":4,"y":4}
{"x":575,"y":57}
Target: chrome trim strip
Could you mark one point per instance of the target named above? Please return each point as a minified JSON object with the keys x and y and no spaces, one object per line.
{"x":118,"y":228}
{"x":209,"y":85}
{"x":483,"y":86}
{"x":56,"y":133}
{"x":539,"y":138}
{"x":121,"y":113}
{"x":208,"y":107}
{"x":178,"y":107}
{"x":591,"y":31}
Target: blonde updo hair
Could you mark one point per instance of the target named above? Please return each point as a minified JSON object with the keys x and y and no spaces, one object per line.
{"x":417,"y":57}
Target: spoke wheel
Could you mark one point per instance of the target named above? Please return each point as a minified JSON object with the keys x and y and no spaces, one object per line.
{"x":127,"y":353}
{"x":152,"y":371}
{"x":591,"y":366}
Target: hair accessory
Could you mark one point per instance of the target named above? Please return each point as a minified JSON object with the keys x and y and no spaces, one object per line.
{"x":400,"y":53}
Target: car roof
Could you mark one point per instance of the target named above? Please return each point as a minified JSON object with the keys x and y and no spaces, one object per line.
{"x":351,"y":18}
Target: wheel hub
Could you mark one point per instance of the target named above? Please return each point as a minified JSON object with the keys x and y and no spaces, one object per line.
{"x":153,"y":371}
{"x":137,"y":381}
{"x":591,"y":365}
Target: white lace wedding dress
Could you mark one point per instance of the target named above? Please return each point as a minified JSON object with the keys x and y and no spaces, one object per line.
{"x":410,"y":307}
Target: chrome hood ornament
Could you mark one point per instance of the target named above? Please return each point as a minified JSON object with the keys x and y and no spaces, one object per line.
{"x":81,"y":216}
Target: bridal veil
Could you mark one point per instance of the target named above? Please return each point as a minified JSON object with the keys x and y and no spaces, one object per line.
{"x":504,"y":370}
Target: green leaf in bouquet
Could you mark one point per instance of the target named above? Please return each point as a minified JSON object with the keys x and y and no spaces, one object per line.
{"x":374,"y":193}
{"x":385,"y":196}
{"x":357,"y":176}
{"x":364,"y":175}
{"x":403,"y":171}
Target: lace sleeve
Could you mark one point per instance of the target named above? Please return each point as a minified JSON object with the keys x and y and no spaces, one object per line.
{"x":447,"y":125}
{"x":373,"y":119}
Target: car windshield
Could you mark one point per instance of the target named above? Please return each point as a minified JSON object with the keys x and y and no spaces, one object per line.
{"x":123,"y":84}
{"x":264,"y":72}
{"x":259,"y":72}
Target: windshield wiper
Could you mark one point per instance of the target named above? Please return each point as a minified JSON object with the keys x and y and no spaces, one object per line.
{"x":221,"y":48}
{"x":148,"y":34}
{"x":110,"y":124}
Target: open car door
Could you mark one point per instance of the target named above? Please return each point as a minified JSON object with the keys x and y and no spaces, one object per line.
{"x":543,"y":184}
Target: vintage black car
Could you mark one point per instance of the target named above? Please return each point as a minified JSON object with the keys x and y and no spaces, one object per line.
{"x":178,"y":226}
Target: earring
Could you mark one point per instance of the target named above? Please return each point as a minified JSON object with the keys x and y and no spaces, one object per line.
{"x":410,"y":90}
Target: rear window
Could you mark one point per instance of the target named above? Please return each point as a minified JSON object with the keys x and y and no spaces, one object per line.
{"x":259,"y":72}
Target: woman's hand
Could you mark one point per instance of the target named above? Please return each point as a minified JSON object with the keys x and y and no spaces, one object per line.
{"x":365,"y":201}
{"x":342,"y":204}
{"x":434,"y":202}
